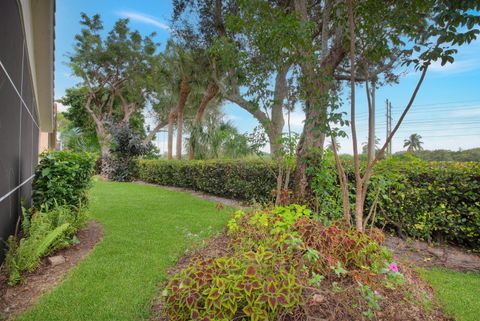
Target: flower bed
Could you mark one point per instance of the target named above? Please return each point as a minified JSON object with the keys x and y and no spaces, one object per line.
{"x":284,"y":264}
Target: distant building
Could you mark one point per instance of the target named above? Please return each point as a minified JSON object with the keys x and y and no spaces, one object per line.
{"x":26,"y":100}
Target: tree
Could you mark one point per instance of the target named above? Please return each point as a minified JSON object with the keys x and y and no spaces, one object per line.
{"x":330,"y":145}
{"x":413,"y":143}
{"x":115,"y":70}
{"x":367,"y":144}
{"x":74,"y":138}
{"x":182,"y":70}
{"x":218,"y":138}
{"x":75,"y":126}
{"x":440,"y":23}
{"x":239,"y":59}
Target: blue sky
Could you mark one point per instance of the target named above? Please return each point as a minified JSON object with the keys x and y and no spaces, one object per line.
{"x":446,"y":112}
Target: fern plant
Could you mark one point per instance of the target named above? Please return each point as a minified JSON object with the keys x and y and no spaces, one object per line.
{"x":43,"y":233}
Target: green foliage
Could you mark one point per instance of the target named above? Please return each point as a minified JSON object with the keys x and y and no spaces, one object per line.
{"x":468,"y":155}
{"x":43,"y":232}
{"x":256,"y":285}
{"x":217,"y":138}
{"x":328,"y":199}
{"x":431,"y":201}
{"x":239,"y":179}
{"x":76,"y":127}
{"x":126,"y":145}
{"x":274,"y":254}
{"x":62,"y":177}
{"x":124,"y":270}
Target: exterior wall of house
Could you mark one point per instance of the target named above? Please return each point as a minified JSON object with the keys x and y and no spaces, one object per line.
{"x":23,"y":110}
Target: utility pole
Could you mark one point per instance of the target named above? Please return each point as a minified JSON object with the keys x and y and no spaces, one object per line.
{"x":389,"y":125}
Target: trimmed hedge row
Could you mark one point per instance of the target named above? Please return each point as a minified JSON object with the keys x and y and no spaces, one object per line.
{"x":431,"y":201}
{"x":239,"y":179}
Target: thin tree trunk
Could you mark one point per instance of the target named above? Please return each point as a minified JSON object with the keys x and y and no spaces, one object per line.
{"x":359,"y":190}
{"x":210,"y":93}
{"x":171,"y":120}
{"x":278,"y":193}
{"x":184,"y":92}
{"x":343,"y":183}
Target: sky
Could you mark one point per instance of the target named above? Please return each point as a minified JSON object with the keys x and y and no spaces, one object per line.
{"x":446,"y":112}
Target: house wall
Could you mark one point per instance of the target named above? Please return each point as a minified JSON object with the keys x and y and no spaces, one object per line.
{"x":19,"y":112}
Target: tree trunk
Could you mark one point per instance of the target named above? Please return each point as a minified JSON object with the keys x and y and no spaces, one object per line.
{"x":184,"y":92}
{"x":104,"y":143}
{"x":171,"y":120}
{"x":102,"y":135}
{"x":209,"y":94}
{"x":275,"y":129}
{"x":151,"y":135}
{"x":309,"y":151}
{"x":317,"y":89}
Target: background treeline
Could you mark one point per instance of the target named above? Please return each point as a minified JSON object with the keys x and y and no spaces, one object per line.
{"x":468,"y":155}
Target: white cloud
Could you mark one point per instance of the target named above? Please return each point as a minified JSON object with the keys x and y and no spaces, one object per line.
{"x":458,"y":66}
{"x":466,"y":113}
{"x":143,"y":18}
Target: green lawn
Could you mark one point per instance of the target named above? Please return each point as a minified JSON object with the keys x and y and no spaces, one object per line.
{"x":146,"y":229}
{"x":458,"y":293}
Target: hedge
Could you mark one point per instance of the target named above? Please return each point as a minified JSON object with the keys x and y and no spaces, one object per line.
{"x":63,"y":178}
{"x":238,"y":179}
{"x":432,"y":201}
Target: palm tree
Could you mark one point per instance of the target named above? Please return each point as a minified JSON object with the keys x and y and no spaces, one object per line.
{"x":337,"y":144}
{"x":365,"y":146}
{"x":180,"y":68}
{"x":413,"y":143}
{"x":217,"y":138}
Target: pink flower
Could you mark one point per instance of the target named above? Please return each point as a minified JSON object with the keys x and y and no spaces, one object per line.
{"x":394,"y":267}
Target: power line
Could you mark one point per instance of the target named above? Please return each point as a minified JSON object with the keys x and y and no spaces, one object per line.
{"x":422,"y":111}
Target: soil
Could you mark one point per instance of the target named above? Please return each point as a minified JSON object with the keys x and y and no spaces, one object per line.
{"x":422,"y":254}
{"x":14,"y":300}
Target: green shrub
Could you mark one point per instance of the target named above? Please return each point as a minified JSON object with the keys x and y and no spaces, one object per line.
{"x":62,"y":177}
{"x":256,"y":285}
{"x":437,"y":201}
{"x":44,"y":231}
{"x":276,"y":258}
{"x":126,"y":145}
{"x":239,"y":179}
{"x":431,"y":200}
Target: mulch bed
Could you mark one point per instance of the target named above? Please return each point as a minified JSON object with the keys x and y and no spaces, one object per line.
{"x":337,"y":306}
{"x":14,"y":300}
{"x":322,"y":304}
{"x":422,"y":254}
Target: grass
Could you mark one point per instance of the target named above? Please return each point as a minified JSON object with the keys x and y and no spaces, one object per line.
{"x":146,"y":229}
{"x":457,"y":292}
